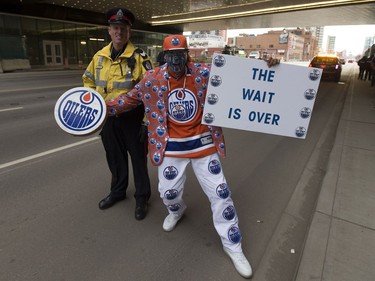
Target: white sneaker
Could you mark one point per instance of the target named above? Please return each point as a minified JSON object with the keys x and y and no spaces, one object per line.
{"x":170,"y":221}
{"x":240,"y":262}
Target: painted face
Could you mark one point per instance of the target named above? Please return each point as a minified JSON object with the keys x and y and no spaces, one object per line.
{"x":176,"y":60}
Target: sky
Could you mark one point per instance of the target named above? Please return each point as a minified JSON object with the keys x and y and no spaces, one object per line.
{"x":350,"y":37}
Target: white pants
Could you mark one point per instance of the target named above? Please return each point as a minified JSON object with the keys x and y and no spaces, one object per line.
{"x":208,"y":170}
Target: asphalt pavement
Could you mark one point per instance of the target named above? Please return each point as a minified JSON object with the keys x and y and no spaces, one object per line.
{"x":340,"y":244}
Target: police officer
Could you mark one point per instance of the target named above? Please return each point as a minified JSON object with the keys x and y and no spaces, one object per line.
{"x":114,"y":70}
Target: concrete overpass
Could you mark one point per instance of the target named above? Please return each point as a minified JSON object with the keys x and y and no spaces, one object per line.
{"x":190,"y":15}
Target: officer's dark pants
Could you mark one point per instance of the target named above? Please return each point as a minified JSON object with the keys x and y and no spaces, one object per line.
{"x":120,"y":136}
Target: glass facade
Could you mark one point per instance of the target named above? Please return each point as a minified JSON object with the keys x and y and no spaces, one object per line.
{"x":54,"y":43}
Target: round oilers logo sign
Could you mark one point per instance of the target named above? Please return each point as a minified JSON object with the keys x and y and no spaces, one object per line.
{"x":80,"y":111}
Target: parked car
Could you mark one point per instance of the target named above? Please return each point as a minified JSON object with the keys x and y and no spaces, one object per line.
{"x":342,"y":60}
{"x":330,"y":64}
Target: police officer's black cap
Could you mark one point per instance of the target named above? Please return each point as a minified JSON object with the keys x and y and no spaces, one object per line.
{"x":121,"y":16}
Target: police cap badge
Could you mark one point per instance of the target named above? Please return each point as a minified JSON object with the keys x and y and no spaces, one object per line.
{"x":121,"y":16}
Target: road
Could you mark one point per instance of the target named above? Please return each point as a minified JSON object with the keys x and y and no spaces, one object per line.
{"x":51,"y":182}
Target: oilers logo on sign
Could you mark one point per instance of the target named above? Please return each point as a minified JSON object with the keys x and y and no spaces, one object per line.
{"x":170,"y":172}
{"x":209,"y":118}
{"x":300,"y":132}
{"x":80,"y":111}
{"x":310,"y":94}
{"x":212,"y":99}
{"x":219,"y":61}
{"x":314,"y":74}
{"x":305,"y":112}
{"x":215,"y":80}
{"x":182,"y":105}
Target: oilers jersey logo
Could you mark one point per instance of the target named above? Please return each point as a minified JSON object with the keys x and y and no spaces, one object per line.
{"x":305,"y":112}
{"x":300,"y":131}
{"x":219,"y":61}
{"x":80,"y":111}
{"x":171,"y":194}
{"x":170,"y":172}
{"x":314,"y":74}
{"x":229,"y":213}
{"x":182,"y":105}
{"x":234,"y":234}
{"x":222,"y":190}
{"x":214,"y":167}
{"x":310,"y":94}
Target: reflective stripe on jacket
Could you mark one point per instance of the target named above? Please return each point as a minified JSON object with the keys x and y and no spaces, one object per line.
{"x":113,"y":78}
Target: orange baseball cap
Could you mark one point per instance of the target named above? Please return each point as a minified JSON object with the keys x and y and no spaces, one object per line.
{"x":175,"y":42}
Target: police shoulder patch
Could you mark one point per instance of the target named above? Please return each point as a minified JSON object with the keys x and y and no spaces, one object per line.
{"x":141,"y":53}
{"x":147,"y":64}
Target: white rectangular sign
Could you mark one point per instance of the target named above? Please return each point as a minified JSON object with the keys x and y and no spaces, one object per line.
{"x":246,"y":94}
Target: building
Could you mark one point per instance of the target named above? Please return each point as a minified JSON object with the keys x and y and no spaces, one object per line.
{"x":331,"y":44}
{"x":318,"y":32}
{"x":369,"y":42}
{"x":203,"y":44}
{"x":287,"y":44}
{"x":32,"y":42}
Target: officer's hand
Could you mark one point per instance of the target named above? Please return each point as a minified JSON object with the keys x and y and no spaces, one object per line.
{"x":272,"y":62}
{"x":143,"y":131}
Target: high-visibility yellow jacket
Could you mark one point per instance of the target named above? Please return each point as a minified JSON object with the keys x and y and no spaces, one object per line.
{"x":113,"y":78}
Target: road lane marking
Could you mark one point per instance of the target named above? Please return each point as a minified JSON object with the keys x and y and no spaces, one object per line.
{"x":38,"y":155}
{"x":67,"y":86}
{"x":8,"y":109}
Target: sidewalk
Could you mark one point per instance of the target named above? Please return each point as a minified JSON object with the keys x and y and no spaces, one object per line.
{"x":341,"y":241}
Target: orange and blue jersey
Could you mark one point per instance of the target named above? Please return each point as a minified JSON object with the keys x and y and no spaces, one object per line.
{"x":174,"y":111}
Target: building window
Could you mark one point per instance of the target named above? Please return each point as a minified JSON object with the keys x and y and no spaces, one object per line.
{"x":258,"y":46}
{"x":271,"y":46}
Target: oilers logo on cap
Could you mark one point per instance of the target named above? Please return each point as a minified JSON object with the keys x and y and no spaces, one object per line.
{"x":175,"y":41}
{"x":80,"y":111}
